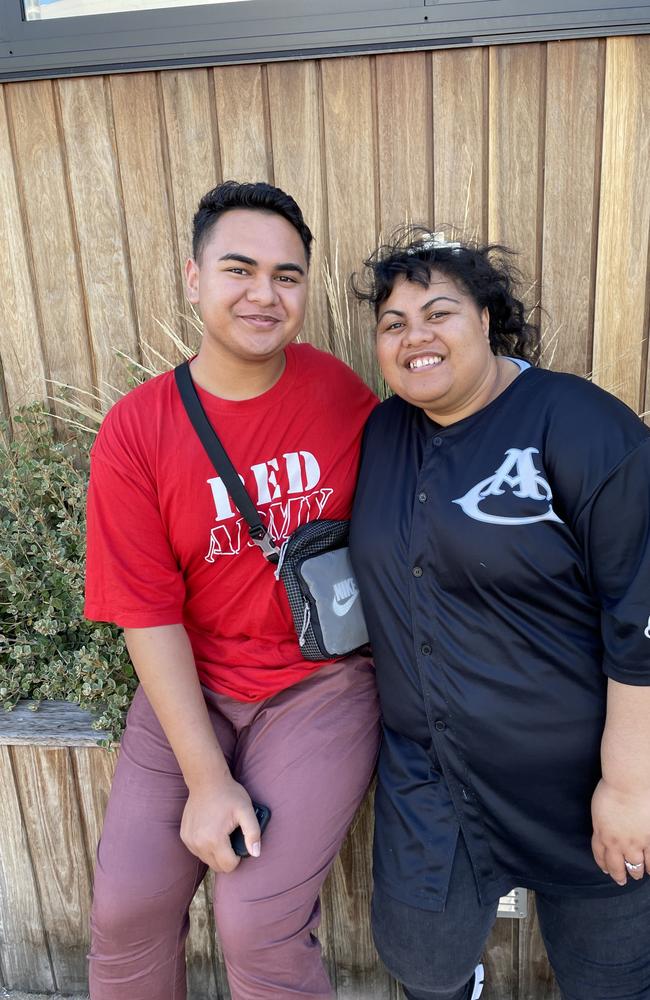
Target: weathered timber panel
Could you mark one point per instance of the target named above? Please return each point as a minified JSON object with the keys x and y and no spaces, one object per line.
{"x":546,"y":147}
{"x":191,"y":139}
{"x":42,"y":173}
{"x":347,"y":944}
{"x":99,"y":221}
{"x":20,"y":331}
{"x":24,"y":954}
{"x":515,"y":151}
{"x":571,"y":185}
{"x":242,"y":103}
{"x":298,"y":167}
{"x":404,"y":135}
{"x":51,"y":813}
{"x":143,"y":159}
{"x":46,"y":788}
{"x":350,"y":161}
{"x":202,"y":962}
{"x":542,"y":146}
{"x":621,"y":306}
{"x":536,"y":980}
{"x":460,"y":139}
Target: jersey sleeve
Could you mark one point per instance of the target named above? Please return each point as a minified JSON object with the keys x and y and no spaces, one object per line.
{"x":132,"y":577}
{"x":614,"y":529}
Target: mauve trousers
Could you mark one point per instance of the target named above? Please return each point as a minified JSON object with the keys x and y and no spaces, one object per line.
{"x":308,"y":753}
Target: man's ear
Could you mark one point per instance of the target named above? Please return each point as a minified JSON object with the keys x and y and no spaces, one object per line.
{"x":192,"y":280}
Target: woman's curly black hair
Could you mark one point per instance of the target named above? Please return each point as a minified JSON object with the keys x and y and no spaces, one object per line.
{"x":484,"y":272}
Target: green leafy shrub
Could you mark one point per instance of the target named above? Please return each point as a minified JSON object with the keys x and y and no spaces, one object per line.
{"x":47,"y":648}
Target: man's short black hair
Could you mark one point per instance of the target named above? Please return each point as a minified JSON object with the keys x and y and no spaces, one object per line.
{"x":259,"y":197}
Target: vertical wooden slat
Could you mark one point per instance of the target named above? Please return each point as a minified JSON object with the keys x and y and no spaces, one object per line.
{"x":199,"y":949}
{"x":536,"y":979}
{"x":20,"y":345}
{"x":346,"y":903}
{"x":40,"y":170}
{"x":5,"y":410}
{"x":239,"y":93}
{"x":223,"y":990}
{"x":460,"y":139}
{"x":571,"y":178}
{"x":23,"y":940}
{"x":188,"y":118}
{"x":404,"y":140}
{"x":501,"y":961}
{"x":516,"y":73}
{"x":149,"y":215}
{"x":350,"y":158}
{"x":94,"y":768}
{"x":96,"y":199}
{"x":47,"y":793}
{"x":297,"y":161}
{"x":622,"y":271}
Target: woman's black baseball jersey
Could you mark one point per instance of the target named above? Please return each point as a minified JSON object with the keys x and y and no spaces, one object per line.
{"x":504,"y":566}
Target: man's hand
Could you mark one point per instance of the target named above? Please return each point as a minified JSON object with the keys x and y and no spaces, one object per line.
{"x":217,"y":805}
{"x":211,"y":814}
{"x":621,"y":820}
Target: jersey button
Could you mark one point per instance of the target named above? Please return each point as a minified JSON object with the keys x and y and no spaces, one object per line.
{"x":425,"y":648}
{"x":437,"y":441}
{"x":422,"y":497}
{"x":440,"y":725}
{"x":417,"y":571}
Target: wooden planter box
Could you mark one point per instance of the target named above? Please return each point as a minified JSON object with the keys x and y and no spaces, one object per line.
{"x":55,"y":782}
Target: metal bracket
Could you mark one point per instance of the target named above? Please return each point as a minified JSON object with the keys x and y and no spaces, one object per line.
{"x":515,"y":904}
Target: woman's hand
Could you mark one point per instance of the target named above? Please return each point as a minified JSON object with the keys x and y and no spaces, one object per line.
{"x":621,"y":820}
{"x":211,"y":814}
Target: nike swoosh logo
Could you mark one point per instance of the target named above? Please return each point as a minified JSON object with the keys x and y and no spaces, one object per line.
{"x":341,"y":608}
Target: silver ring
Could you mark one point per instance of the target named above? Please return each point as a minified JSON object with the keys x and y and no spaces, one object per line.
{"x":634,"y":868}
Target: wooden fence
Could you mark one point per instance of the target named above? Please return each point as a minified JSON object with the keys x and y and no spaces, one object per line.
{"x":543,"y":146}
{"x":55,"y":785}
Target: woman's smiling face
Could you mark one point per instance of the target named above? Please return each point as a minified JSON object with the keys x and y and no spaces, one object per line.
{"x":433,"y":347}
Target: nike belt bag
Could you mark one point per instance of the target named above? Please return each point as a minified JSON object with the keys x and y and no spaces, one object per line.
{"x":313,"y":563}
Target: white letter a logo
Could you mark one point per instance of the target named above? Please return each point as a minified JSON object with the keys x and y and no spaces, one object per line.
{"x":518,"y":472}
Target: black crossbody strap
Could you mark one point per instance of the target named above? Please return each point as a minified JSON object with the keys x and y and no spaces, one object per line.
{"x":219,"y":458}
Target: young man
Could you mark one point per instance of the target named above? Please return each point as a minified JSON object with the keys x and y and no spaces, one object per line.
{"x":228,"y":711}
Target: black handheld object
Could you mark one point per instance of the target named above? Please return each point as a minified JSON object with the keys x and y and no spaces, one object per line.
{"x":263,"y":815}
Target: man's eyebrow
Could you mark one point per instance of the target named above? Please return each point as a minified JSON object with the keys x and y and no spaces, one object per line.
{"x":287,"y":266}
{"x":240,"y":257}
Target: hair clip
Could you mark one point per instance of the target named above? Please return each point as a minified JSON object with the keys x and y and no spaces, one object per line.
{"x":433,"y":241}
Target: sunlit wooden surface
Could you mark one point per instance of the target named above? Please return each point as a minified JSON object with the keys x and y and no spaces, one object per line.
{"x":542,"y":146}
{"x":55,"y":788}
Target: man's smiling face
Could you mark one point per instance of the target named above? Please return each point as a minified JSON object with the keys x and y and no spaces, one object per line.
{"x":250,"y":285}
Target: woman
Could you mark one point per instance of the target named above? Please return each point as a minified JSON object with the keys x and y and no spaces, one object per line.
{"x":501,"y":537}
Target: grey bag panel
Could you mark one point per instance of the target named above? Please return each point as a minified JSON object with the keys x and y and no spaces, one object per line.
{"x":331,"y":582}
{"x":341,"y":634}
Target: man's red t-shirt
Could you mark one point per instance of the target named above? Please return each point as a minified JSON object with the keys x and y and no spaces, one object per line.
{"x":167,"y":546}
